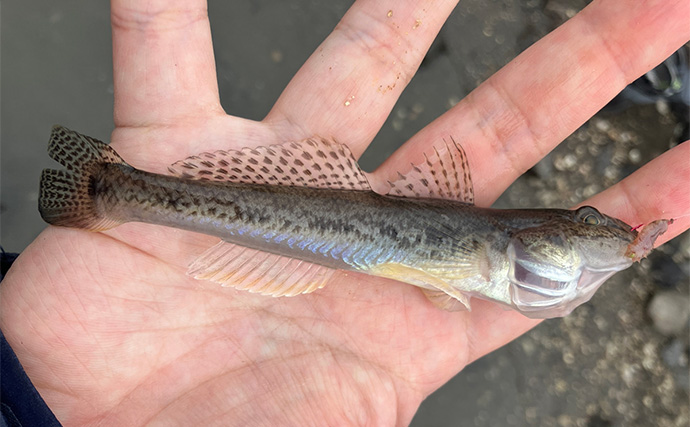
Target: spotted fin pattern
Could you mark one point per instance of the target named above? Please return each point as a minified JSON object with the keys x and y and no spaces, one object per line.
{"x":66,"y":197}
{"x":444,"y":174}
{"x":320,"y":163}
{"x":313,"y":162}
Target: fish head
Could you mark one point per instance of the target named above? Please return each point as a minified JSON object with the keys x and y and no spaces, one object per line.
{"x":559,"y":264}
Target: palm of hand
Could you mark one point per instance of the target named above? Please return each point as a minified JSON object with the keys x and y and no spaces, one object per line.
{"x":110,"y":328}
{"x":136,"y":337}
{"x":139,"y":334}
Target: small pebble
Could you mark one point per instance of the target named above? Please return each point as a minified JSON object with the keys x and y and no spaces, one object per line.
{"x":634,"y":156}
{"x":602,"y":125}
{"x":670,"y":312}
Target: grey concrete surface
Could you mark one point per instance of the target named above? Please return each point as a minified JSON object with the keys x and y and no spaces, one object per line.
{"x":605,"y":365}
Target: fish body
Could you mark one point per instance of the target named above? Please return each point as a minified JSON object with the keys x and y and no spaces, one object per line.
{"x":286,"y":239}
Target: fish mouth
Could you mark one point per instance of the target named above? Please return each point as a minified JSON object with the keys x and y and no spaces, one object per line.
{"x":543,"y":298}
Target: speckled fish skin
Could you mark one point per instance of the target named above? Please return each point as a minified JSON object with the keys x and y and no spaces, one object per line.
{"x":335,"y":228}
{"x":523,"y":259}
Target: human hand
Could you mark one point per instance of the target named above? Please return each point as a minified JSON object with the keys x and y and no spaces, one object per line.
{"x":110,"y":328}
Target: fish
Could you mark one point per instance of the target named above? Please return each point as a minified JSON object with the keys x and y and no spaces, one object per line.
{"x":291,"y":214}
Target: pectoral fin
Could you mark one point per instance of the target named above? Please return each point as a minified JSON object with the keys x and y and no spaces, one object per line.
{"x":439,"y":292}
{"x":447,"y":302}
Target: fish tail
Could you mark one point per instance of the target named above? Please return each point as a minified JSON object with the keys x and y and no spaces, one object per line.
{"x":67,"y":197}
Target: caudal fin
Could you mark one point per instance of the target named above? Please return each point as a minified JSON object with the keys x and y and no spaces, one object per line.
{"x":66,"y":197}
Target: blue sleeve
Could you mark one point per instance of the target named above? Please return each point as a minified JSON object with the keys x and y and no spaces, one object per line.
{"x":20,"y":402}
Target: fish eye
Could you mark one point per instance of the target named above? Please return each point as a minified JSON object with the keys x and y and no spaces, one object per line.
{"x":589,"y":215}
{"x":591,"y":220}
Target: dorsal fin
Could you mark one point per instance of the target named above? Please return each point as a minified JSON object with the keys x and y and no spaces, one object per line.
{"x":442,"y":175}
{"x":313,"y":162}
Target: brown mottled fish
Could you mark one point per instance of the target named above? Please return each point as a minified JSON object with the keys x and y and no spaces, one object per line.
{"x":289,"y":214}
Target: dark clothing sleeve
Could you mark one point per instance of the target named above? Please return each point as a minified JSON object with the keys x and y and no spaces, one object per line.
{"x":20,"y":402}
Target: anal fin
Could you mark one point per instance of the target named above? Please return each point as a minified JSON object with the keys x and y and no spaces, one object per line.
{"x":257,"y":271}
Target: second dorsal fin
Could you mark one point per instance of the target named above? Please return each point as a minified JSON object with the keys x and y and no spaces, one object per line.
{"x":444,"y":174}
{"x":313,"y":162}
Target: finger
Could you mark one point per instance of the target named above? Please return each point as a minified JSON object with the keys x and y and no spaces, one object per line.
{"x":657,"y":190}
{"x":349,"y":85}
{"x":521,"y":113}
{"x":164,"y":70}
